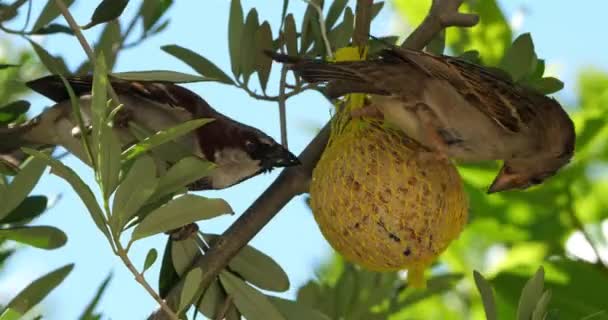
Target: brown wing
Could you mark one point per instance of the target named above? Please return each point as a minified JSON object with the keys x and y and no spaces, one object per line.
{"x":507,"y":103}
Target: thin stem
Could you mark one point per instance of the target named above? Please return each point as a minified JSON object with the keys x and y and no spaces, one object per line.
{"x":140,"y":278}
{"x":265,"y":97}
{"x":283,"y":107}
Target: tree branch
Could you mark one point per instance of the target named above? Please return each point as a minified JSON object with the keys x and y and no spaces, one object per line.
{"x":294,"y":181}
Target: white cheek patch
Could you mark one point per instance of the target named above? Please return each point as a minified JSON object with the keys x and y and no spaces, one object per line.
{"x":233,"y":165}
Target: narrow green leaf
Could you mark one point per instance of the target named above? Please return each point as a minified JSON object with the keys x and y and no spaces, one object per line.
{"x":547,"y":85}
{"x":293,"y":310}
{"x":10,"y":314}
{"x":335,"y":11}
{"x":345,"y":292}
{"x":248,"y":47}
{"x":43,"y":237}
{"x":213,"y":300}
{"x":250,"y":302}
{"x":257,"y":268}
{"x":54,"y":64}
{"x":530,"y":295}
{"x":89,"y":311}
{"x":159,"y":75}
{"x":183,"y":254}
{"x":520,"y":59}
{"x":376,"y":8}
{"x":6,"y":66}
{"x":8,"y":169}
{"x":263,"y":63}
{"x":235,"y":30}
{"x":190,"y":288}
{"x":83,"y":190}
{"x":168,"y":277}
{"x":487,"y":295}
{"x":39,"y":289}
{"x":54,"y":28}
{"x":49,"y":13}
{"x":22,"y":185}
{"x":179,"y":212}
{"x":27,"y":210}
{"x":107,"y":10}
{"x":152,"y":11}
{"x":183,"y":173}
{"x":150,"y":259}
{"x":162,"y":137}
{"x":199,"y":63}
{"x":540,"y":310}
{"x":340,"y":36}
{"x":310,"y":17}
{"x":291,"y":36}
{"x":12,"y":111}
{"x":136,"y":188}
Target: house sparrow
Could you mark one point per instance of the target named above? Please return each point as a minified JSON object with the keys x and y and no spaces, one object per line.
{"x":238,"y":150}
{"x":457,"y":109}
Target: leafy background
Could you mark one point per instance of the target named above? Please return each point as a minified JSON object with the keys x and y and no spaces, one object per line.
{"x":509,"y":235}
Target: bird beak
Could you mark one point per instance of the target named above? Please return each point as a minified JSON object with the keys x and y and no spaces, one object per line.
{"x":506,"y":180}
{"x":280,"y":157}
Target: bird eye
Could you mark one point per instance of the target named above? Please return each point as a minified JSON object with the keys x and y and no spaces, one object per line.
{"x":250,"y":145}
{"x":535,"y":181}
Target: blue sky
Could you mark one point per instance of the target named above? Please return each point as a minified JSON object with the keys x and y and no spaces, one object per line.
{"x":569,"y":36}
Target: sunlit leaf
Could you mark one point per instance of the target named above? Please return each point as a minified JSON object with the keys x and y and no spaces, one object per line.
{"x":43,"y":237}
{"x":159,"y":75}
{"x":10,"y":314}
{"x":107,"y":10}
{"x":10,"y":112}
{"x":138,"y":185}
{"x":250,"y":302}
{"x":39,"y":289}
{"x":179,"y":212}
{"x":199,"y":63}
{"x":162,"y":137}
{"x":547,"y":85}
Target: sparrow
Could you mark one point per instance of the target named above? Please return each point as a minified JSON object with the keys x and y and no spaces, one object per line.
{"x":456,"y":109}
{"x":238,"y":150}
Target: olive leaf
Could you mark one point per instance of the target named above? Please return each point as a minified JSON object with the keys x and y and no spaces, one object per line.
{"x":487,"y":295}
{"x":235,"y":30}
{"x":43,"y":237}
{"x":250,"y":302}
{"x":263,"y":63}
{"x":249,"y":48}
{"x":107,"y":10}
{"x":159,"y":75}
{"x":49,"y":13}
{"x":150,"y":259}
{"x":199,"y":63}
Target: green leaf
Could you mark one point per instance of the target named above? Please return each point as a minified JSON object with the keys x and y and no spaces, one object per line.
{"x":291,"y":36}
{"x":54,"y":64}
{"x":190,"y":288}
{"x":530,"y":295}
{"x":296,"y":311}
{"x":257,"y":268}
{"x":152,"y":11}
{"x":49,"y":13}
{"x":162,"y":137}
{"x":183,"y":254}
{"x":27,"y":210}
{"x":184,"y":172}
{"x":547,"y":85}
{"x":38,"y":290}
{"x":168,"y":277}
{"x":310,"y":18}
{"x":179,"y":212}
{"x":249,"y":301}
{"x":11,"y":112}
{"x":107,"y":10}
{"x":263,"y":63}
{"x":335,"y":11}
{"x":159,"y":75}
{"x":136,"y":188}
{"x":83,"y":190}
{"x":487,"y":295}
{"x":213,"y":300}
{"x":520,"y":59}
{"x":340,"y":36}
{"x":22,"y":185}
{"x":248,"y":45}
{"x":54,"y":28}
{"x":10,"y":314}
{"x":199,"y":63}
{"x":89,"y":312}
{"x":376,"y":8}
{"x":540,"y":310}
{"x":150,"y":259}
{"x":345,"y":292}
{"x":235,"y":30}
{"x":43,"y":237}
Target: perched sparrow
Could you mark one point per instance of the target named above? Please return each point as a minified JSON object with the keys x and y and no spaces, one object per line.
{"x":238,"y":150}
{"x":457,"y":109}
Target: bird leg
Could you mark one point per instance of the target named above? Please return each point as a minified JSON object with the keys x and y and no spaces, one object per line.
{"x":440,"y":148}
{"x":370,"y":111}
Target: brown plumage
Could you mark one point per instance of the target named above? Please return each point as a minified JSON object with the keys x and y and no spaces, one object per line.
{"x":457,"y":109}
{"x":240,"y":151}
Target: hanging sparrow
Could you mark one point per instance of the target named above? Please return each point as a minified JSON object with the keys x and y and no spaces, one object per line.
{"x":238,"y":150}
{"x":456,"y":109}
